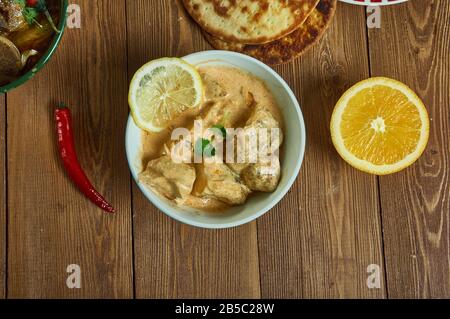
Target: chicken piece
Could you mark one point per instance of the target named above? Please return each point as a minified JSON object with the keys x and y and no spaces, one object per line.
{"x":223,"y":184}
{"x":171,"y":180}
{"x":229,"y":112}
{"x":203,"y":203}
{"x":260,"y":119}
{"x":11,"y":17}
{"x":262,"y":177}
{"x":226,"y":112}
{"x":231,"y":103}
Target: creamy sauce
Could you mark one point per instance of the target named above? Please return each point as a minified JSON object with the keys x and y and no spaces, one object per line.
{"x":231,"y":96}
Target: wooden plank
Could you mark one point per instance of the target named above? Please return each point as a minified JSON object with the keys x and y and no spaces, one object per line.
{"x":3,"y":208}
{"x":51,"y":224}
{"x":412,"y":46}
{"x":320,"y":240}
{"x":174,"y":260}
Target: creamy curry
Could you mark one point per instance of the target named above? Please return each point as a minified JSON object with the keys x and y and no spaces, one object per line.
{"x":233,"y":99}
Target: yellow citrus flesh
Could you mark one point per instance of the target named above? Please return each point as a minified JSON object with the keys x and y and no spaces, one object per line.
{"x":161,"y":90}
{"x":380,"y":126}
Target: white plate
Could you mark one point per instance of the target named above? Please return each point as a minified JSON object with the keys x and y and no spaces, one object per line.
{"x":294,"y":148}
{"x":374,"y":2}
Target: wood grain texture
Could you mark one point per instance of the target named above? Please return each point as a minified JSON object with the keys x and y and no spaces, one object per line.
{"x":174,"y":260}
{"x":51,"y":224}
{"x":319,"y":241}
{"x":3,"y":208}
{"x":316,"y":243}
{"x":413,"y":47}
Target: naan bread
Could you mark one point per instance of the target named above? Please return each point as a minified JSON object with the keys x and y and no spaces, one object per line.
{"x":289,"y":47}
{"x":249,"y":21}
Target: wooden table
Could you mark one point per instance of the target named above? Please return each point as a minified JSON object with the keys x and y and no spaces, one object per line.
{"x":318,"y":242}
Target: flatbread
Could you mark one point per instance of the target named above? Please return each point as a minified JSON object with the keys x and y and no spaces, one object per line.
{"x":249,"y":21}
{"x":289,"y":47}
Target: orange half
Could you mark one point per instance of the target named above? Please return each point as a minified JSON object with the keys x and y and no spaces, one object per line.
{"x":380,"y":126}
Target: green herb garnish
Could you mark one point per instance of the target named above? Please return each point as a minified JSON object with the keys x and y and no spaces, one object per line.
{"x":31,"y":10}
{"x":29,"y":14}
{"x":204,"y":147}
{"x":222,"y":130}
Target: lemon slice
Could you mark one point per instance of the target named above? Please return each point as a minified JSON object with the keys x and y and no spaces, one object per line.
{"x":380,"y":126}
{"x":161,"y":90}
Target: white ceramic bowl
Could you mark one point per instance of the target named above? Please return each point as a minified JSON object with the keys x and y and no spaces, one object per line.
{"x":292,"y":156}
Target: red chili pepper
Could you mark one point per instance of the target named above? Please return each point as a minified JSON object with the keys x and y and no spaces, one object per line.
{"x":32,"y":3}
{"x":63,"y":119}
